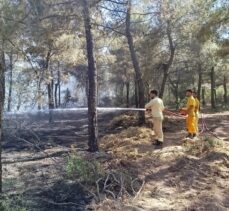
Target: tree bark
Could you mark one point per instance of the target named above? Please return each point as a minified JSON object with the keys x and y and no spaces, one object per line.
{"x":50,"y":87}
{"x":147,"y":90}
{"x":50,"y":95}
{"x":87,"y":90}
{"x":213,"y":91}
{"x":225,"y":90}
{"x":59,"y":88}
{"x":19,"y":103}
{"x":11,"y":83}
{"x":2,"y":99}
{"x":166,"y":66}
{"x":164,"y":80}
{"x":175,"y":89}
{"x":55,"y":95}
{"x":92,"y":82}
{"x":203,"y":97}
{"x":127,"y":94}
{"x":136,"y":94}
{"x":141,"y":93}
{"x":50,"y":101}
{"x":39,"y":94}
{"x":200,"y":78}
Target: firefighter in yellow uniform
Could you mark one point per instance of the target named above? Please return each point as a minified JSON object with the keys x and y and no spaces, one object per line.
{"x":191,"y":116}
{"x":197,"y":111}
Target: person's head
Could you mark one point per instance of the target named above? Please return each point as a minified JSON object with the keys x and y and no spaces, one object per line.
{"x":153,"y":93}
{"x":194,"y":94}
{"x":189,"y":93}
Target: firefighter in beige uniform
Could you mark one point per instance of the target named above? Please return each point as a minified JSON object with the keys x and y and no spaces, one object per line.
{"x":157,"y":107}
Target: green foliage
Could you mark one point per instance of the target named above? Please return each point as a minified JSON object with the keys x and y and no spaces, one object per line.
{"x":212,"y":142}
{"x":88,"y":171}
{"x":9,"y":183}
{"x":15,"y":203}
{"x":30,"y":29}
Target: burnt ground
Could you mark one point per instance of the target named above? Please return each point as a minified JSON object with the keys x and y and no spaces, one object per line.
{"x":35,"y":151}
{"x":34,"y":158}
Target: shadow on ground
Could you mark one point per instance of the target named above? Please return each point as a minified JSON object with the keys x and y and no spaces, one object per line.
{"x":62,"y":196}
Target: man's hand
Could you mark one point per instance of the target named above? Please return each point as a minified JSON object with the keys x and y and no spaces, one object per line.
{"x":183,"y":111}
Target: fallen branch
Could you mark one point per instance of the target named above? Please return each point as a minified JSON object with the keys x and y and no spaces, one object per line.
{"x":36,"y":158}
{"x":61,"y":203}
{"x":140,"y":190}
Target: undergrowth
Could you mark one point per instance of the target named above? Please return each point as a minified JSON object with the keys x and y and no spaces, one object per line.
{"x":105,"y":183}
{"x":15,"y":203}
{"x":205,"y":144}
{"x":88,"y":171}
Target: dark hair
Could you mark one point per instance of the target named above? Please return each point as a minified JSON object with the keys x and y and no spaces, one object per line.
{"x":155,"y":92}
{"x":189,"y":90}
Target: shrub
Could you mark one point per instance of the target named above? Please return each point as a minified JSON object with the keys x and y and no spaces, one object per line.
{"x":88,"y":171}
{"x":203,"y":145}
{"x":213,"y":142}
{"x":15,"y":203}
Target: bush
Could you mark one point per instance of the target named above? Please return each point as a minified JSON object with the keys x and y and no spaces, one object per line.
{"x":206,"y":144}
{"x":15,"y":203}
{"x":88,"y":171}
{"x":213,"y":142}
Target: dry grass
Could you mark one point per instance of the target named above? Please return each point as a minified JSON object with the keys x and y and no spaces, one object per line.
{"x":130,"y":143}
{"x":175,"y":174}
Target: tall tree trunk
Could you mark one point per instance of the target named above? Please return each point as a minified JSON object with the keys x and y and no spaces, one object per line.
{"x":87,"y":90}
{"x":164,"y":80}
{"x":165,"y":67}
{"x":39,"y":93}
{"x":199,"y":81}
{"x":55,"y":95}
{"x":2,"y":98}
{"x":141,"y":93}
{"x":50,"y":95}
{"x":50,"y":87}
{"x":225,"y":90}
{"x":213,"y":91}
{"x":175,"y":89}
{"x":136,"y":94}
{"x":177,"y":94}
{"x":19,"y":103}
{"x":11,"y":83}
{"x":59,"y":88}
{"x":127,"y":94}
{"x":121,"y":94}
{"x":147,"y":91}
{"x":203,"y":97}
{"x":92,"y":79}
{"x":50,"y":99}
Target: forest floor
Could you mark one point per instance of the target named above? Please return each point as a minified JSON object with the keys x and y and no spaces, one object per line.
{"x":179,"y":176}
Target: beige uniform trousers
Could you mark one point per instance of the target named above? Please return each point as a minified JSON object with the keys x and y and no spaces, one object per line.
{"x":157,"y":127}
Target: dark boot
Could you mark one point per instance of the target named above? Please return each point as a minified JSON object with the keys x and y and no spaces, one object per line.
{"x":189,"y":136}
{"x":159,"y":143}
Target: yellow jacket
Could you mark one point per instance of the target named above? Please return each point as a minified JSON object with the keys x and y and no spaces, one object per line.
{"x":191,"y":102}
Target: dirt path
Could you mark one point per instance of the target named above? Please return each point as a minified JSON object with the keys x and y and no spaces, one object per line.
{"x":179,"y":176}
